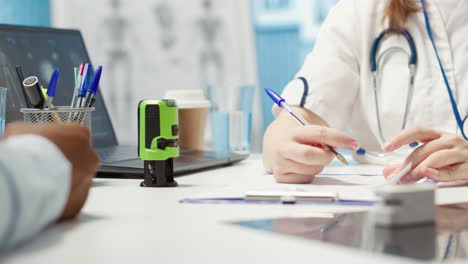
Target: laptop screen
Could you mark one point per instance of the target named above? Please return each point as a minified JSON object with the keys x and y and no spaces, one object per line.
{"x":38,"y":51}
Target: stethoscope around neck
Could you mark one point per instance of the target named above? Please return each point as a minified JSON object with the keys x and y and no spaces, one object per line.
{"x":413,"y":59}
{"x":461,"y":122}
{"x":374,"y":65}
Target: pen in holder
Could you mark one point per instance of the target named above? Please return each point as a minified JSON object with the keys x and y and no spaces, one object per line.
{"x":60,"y":114}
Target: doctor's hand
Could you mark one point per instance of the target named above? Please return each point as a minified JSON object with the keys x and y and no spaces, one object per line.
{"x":75,"y":143}
{"x":443,"y":157}
{"x":294,"y":153}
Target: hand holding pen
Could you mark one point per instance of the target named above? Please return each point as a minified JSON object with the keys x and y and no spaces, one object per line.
{"x":295,"y":154}
{"x":282,"y":103}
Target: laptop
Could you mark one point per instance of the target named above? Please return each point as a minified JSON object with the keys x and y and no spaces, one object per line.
{"x":38,"y":51}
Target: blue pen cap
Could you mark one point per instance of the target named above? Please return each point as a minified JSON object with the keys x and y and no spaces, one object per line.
{"x":275,"y":97}
{"x":95,"y":82}
{"x":53,"y":83}
{"x":90,"y":75}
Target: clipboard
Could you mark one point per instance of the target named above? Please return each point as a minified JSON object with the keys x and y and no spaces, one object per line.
{"x":291,"y":196}
{"x":282,"y":197}
{"x":243,"y":201}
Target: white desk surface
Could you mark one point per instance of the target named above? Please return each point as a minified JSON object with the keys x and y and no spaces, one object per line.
{"x":124,"y":223}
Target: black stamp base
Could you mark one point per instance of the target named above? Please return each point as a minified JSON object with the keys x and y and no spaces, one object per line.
{"x":159,"y":173}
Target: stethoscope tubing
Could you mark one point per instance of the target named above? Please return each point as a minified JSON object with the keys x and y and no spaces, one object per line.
{"x":413,"y":59}
{"x":375,"y":62}
{"x":460,"y":121}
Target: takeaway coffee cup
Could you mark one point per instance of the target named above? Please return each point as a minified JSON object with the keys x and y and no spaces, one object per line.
{"x":193,"y":112}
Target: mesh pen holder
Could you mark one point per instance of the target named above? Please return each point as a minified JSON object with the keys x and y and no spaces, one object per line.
{"x":60,"y":114}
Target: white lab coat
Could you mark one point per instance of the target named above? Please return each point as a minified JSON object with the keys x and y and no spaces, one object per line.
{"x":34,"y":186}
{"x":340,"y":80}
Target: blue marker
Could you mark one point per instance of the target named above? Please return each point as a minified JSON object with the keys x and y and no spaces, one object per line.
{"x":52,"y":88}
{"x":281,"y":102}
{"x":92,"y":89}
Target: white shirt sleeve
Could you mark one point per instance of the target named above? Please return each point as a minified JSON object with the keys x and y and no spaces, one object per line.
{"x":328,"y":82}
{"x":35,"y":179}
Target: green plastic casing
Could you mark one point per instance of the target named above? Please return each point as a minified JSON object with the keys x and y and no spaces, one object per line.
{"x":158,"y":120}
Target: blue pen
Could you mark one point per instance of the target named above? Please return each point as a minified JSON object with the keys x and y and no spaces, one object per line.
{"x":77,"y":87}
{"x":281,"y":102}
{"x":84,"y":84}
{"x":92,"y":90}
{"x":52,"y":88}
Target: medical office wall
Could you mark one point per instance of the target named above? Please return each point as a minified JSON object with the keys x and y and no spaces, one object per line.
{"x":25,"y":12}
{"x":150,"y":46}
{"x":285,"y":32}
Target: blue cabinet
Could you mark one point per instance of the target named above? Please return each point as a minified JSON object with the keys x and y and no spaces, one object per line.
{"x":278,"y":49}
{"x":25,"y":12}
{"x":285,"y":32}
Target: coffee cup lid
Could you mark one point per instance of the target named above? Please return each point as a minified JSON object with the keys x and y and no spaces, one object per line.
{"x":188,"y":98}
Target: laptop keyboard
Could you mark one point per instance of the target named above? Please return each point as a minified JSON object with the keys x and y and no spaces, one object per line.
{"x":113,"y":154}
{"x":122,"y":153}
{"x":125,"y":161}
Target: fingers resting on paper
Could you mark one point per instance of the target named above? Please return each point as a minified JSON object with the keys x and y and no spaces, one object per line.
{"x":443,"y":157}
{"x":390,"y":170}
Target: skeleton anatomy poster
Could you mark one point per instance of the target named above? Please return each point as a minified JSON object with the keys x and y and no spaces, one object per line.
{"x":149,"y":46}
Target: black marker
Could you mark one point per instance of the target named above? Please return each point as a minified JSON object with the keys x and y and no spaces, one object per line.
{"x":34,"y":92}
{"x":19,"y":73}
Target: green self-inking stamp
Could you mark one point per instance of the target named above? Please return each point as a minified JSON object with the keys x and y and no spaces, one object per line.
{"x":158,"y":131}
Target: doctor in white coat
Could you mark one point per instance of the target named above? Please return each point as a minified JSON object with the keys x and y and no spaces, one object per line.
{"x":405,"y":98}
{"x":45,"y":175}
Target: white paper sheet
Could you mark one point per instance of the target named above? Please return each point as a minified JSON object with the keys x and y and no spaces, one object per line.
{"x":350,"y":186}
